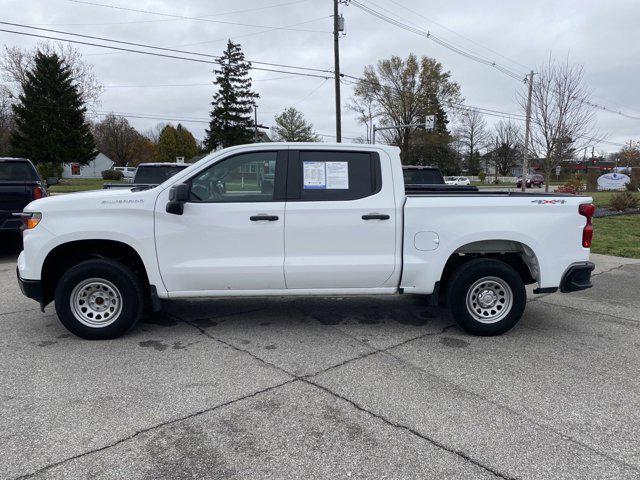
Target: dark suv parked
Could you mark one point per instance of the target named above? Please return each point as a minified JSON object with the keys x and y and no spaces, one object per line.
{"x":535,"y":180}
{"x":20,"y":184}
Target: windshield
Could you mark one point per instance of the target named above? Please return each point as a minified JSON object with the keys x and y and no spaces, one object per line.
{"x":422,"y":177}
{"x":17,"y":171}
{"x":156,"y":175}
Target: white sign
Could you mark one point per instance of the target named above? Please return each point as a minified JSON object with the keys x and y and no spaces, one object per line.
{"x":558,"y":171}
{"x":313,"y":175}
{"x":179,"y":159}
{"x":337,"y":175}
{"x":430,"y":122}
{"x":613,"y":181}
{"x":325,"y":175}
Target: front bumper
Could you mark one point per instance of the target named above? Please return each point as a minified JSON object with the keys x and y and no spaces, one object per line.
{"x":577,"y":277}
{"x":30,"y":288}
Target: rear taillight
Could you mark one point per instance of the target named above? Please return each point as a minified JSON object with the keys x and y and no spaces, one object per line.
{"x":587,"y":210}
{"x":37,"y":193}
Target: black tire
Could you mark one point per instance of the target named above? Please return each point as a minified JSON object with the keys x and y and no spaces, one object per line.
{"x":468,"y":274}
{"x":130,"y":299}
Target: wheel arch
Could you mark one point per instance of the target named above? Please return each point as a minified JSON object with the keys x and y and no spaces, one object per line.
{"x":520,"y":256}
{"x":69,"y":254}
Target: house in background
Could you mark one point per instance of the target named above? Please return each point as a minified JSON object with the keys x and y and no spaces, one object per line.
{"x":93,"y":169}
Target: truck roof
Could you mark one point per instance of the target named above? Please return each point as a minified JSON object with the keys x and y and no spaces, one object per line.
{"x":14,"y":159}
{"x":164,"y":164}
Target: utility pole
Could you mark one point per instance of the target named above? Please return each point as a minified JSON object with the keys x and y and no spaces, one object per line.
{"x":336,"y":68}
{"x":255,"y":124}
{"x":527,"y":134}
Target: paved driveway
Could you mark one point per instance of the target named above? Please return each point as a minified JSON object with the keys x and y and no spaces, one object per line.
{"x":327,"y":388}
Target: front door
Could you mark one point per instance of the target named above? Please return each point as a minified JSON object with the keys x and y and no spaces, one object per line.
{"x":231,"y":234}
{"x":341,"y":220}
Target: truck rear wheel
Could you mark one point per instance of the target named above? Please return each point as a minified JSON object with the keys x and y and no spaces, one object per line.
{"x":99,"y":299}
{"x":486,"y":297}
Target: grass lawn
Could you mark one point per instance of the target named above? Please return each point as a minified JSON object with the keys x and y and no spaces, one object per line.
{"x":618,"y":236}
{"x":600,"y":199}
{"x":69,"y":185}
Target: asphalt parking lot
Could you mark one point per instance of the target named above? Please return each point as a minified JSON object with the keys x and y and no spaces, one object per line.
{"x":327,"y":388}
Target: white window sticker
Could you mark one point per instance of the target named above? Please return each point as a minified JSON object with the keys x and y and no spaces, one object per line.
{"x":337,"y":174}
{"x":313,"y":175}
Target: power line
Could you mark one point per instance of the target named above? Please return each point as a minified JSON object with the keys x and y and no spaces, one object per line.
{"x":163,"y":55}
{"x":174,"y":19}
{"x":208,"y":84}
{"x":184,"y":17}
{"x":154,"y":47}
{"x":439,"y":41}
{"x":458,"y":34}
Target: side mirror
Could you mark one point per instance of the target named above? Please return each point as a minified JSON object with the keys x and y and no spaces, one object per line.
{"x":178,"y":195}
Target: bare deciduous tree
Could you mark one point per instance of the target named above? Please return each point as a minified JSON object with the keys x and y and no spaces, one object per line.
{"x":6,"y":121}
{"x":15,"y":62}
{"x":117,"y":139}
{"x":473,"y":136}
{"x":509,"y":136}
{"x":562,"y":117}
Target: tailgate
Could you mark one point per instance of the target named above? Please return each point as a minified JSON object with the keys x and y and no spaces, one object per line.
{"x":14,"y":196}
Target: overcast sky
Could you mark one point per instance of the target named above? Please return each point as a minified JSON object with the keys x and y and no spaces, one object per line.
{"x":603,"y":36}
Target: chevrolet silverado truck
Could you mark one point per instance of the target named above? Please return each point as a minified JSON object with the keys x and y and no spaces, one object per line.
{"x":336,"y":221}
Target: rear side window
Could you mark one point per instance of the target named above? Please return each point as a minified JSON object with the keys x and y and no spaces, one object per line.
{"x":333,"y":175}
{"x":17,"y":171}
{"x":156,"y":174}
{"x":414,"y":176}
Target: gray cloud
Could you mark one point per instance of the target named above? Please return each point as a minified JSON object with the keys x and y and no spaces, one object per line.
{"x":600,"y":35}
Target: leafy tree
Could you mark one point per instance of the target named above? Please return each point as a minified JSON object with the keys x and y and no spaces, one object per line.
{"x":176,"y":142}
{"x":403,"y":91}
{"x":50,"y":125}
{"x":117,"y":139}
{"x":434,"y":147}
{"x":291,"y":126}
{"x":231,"y":120}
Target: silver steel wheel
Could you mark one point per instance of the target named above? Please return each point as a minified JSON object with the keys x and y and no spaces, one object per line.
{"x":489,"y":299}
{"x":96,"y":302}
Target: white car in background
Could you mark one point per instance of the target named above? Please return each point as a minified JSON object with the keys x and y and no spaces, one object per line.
{"x":457,"y":181}
{"x":127,"y":172}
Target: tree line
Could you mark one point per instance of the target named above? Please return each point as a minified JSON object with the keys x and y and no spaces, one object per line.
{"x":51,"y":93}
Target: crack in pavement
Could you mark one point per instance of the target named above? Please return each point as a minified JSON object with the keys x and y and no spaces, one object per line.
{"x":628,"y":322}
{"x":153,"y":427}
{"x":305,"y":379}
{"x":463,"y":389}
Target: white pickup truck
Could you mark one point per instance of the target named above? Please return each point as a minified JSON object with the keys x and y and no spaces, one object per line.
{"x":334,"y":220}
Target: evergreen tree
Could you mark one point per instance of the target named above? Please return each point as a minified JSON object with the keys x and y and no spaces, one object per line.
{"x":50,"y":125}
{"x":433,"y":148}
{"x":231,"y":120}
{"x":291,"y":126}
{"x":176,"y":142}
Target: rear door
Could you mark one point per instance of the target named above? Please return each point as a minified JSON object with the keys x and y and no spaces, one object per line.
{"x":341,"y":227}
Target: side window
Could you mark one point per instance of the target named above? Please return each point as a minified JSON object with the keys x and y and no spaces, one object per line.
{"x":248,"y":177}
{"x":334,"y":175}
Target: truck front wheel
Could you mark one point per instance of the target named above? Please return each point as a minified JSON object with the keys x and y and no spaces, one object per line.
{"x":99,"y":299}
{"x":486,"y":297}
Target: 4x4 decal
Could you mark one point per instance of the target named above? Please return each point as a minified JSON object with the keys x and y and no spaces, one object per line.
{"x":548,"y":202}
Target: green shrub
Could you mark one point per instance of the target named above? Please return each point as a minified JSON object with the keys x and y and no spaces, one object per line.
{"x":112,"y":175}
{"x":49,"y":170}
{"x":482,"y":176}
{"x":622,"y":201}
